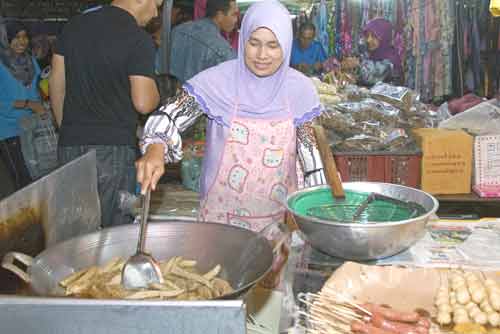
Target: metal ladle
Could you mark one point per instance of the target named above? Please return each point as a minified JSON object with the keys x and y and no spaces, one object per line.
{"x":141,"y":269}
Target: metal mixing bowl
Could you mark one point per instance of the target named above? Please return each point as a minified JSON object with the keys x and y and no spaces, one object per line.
{"x":366,"y":241}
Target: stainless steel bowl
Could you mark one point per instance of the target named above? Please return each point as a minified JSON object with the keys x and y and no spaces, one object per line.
{"x":366,"y":241}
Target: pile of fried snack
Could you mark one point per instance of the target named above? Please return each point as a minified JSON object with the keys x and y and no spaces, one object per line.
{"x":181,"y":281}
{"x":466,"y":299}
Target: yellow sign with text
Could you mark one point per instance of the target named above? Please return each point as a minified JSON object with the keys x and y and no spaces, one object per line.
{"x":446,"y":161}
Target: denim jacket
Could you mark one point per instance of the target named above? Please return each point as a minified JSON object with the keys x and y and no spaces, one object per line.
{"x":196,"y":46}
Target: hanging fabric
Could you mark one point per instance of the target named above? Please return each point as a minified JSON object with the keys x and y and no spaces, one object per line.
{"x":338,"y":29}
{"x":322,"y":25}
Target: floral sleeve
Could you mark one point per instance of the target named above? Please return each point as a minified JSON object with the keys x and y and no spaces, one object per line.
{"x":167,"y":123}
{"x":308,"y":156}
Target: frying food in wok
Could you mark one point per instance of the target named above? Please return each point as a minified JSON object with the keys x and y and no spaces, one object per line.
{"x":181,"y":282}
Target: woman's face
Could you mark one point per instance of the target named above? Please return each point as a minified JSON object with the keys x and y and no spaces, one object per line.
{"x":20,"y":42}
{"x":372,"y":42}
{"x":263,"y":53}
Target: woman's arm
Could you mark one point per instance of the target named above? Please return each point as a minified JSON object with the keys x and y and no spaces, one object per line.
{"x":161,"y":142}
{"x":373,"y":71}
{"x":308,"y":156}
{"x":166,"y":124}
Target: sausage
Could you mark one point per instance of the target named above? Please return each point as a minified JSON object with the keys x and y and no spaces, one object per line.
{"x":364,"y":328}
{"x":390,"y":314}
{"x":392,"y":326}
{"x":424,"y":322}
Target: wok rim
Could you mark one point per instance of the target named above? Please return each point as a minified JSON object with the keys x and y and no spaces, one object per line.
{"x":236,"y":294}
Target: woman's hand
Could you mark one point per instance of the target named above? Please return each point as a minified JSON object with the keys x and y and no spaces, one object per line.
{"x":36,"y":107}
{"x":20,"y":104}
{"x":350,"y":63}
{"x":303,"y":67}
{"x":151,"y":167}
{"x":318,"y":66}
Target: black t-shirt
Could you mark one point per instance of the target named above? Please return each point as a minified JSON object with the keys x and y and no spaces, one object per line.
{"x":101,"y":50}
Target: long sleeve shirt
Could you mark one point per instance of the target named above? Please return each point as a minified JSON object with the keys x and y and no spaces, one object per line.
{"x":180,"y":112}
{"x":13,"y":90}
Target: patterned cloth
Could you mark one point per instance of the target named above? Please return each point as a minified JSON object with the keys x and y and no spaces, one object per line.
{"x":183,"y":111}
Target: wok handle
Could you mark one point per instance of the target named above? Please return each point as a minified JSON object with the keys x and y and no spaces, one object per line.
{"x":286,"y":234}
{"x":8,"y":263}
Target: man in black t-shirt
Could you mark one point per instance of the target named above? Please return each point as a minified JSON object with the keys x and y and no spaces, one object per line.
{"x":102,"y":75}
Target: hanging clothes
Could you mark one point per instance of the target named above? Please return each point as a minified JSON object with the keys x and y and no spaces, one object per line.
{"x":322,"y":25}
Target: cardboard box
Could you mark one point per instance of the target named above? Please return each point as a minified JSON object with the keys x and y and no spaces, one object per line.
{"x":487,"y":166}
{"x":446,"y":161}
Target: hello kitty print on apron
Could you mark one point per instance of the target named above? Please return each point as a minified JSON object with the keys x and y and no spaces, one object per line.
{"x":256,"y":173}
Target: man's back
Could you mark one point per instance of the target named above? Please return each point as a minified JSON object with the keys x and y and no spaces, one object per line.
{"x":197,"y":46}
{"x":101,"y":50}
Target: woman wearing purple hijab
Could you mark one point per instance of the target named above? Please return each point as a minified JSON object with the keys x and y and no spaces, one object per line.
{"x":259,"y":112}
{"x":382,"y":62}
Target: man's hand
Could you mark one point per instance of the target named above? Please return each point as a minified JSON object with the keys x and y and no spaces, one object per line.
{"x":151,"y":167}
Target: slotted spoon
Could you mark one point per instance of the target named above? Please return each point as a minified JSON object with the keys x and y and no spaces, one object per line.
{"x":141,"y":269}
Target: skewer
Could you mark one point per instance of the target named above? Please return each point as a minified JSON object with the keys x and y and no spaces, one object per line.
{"x":346,"y":299}
{"x":334,"y":314}
{"x":340,"y":307}
{"x":341,"y":312}
{"x":322,"y":323}
{"x":337,"y":309}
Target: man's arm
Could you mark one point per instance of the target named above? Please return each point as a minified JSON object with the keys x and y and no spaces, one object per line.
{"x":144,"y":93}
{"x":57,"y":87}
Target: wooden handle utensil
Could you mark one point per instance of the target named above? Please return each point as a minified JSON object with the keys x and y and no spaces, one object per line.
{"x":329,"y":166}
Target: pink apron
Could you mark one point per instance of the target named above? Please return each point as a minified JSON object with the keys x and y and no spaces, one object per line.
{"x":256,"y":172}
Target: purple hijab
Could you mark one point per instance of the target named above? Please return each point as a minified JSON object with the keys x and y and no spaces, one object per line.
{"x":220,"y":88}
{"x":382,"y":29}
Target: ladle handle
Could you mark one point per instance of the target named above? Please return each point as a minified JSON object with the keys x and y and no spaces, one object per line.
{"x":144,"y":221}
{"x":329,"y":166}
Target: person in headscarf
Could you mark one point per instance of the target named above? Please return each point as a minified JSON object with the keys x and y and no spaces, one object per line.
{"x":19,"y":97}
{"x":378,"y":35}
{"x":382,"y":62}
{"x":257,"y":107}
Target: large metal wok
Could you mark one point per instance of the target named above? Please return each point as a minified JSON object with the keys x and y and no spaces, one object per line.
{"x":244,"y":255}
{"x":357,"y":241}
